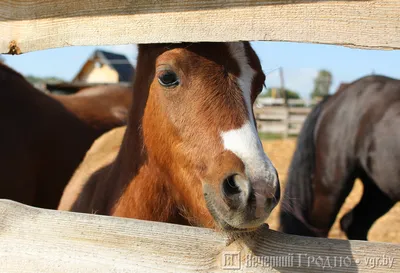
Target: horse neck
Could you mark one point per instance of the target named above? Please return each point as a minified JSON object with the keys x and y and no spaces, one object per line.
{"x":160,"y":189}
{"x":132,"y":155}
{"x":146,"y":197}
{"x":6,"y":72}
{"x":66,"y":122}
{"x":101,"y":113}
{"x":155,"y":195}
{"x":47,"y":110}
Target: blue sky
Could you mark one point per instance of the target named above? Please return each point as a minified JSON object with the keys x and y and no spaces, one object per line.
{"x":300,"y":62}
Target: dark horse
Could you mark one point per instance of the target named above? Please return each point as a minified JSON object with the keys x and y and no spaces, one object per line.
{"x":44,"y":137}
{"x":352,"y":134}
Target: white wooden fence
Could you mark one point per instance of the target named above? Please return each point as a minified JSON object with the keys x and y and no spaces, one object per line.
{"x":269,"y":101}
{"x":275,"y":118}
{"x":38,"y":240}
{"x":280,"y":119}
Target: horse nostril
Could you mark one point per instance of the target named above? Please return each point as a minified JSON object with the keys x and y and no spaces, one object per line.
{"x":234,"y":191}
{"x":230,"y":187}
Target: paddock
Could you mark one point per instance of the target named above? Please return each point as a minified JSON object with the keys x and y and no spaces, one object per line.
{"x":39,"y":240}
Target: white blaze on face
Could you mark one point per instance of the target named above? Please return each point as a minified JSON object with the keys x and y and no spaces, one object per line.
{"x":244,"y":142}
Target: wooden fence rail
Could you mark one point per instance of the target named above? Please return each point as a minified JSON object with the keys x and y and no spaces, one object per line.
{"x":269,"y":101}
{"x":280,"y":119}
{"x":39,"y":240}
{"x":40,"y":24}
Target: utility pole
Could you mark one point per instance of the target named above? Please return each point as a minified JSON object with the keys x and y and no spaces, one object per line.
{"x":283,"y":93}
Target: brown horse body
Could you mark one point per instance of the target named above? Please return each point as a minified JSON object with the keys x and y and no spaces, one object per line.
{"x":101,"y":107}
{"x":191,"y":153}
{"x":103,"y":152}
{"x":43,"y":138}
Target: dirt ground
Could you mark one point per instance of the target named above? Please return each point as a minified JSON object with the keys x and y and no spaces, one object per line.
{"x":385,"y":229}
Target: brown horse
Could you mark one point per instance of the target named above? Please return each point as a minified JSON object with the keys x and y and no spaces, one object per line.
{"x":191,"y":153}
{"x":103,"y":151}
{"x":101,"y":107}
{"x":43,"y":138}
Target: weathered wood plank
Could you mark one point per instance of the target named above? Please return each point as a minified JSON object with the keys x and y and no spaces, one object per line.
{"x":272,"y":127}
{"x":299,"y":110}
{"x":39,"y":240}
{"x":281,"y":110}
{"x":297,"y":119}
{"x":280,"y":120}
{"x":294,"y":131}
{"x":36,"y":240}
{"x":270,"y":110}
{"x":270,"y":117}
{"x":29,"y":25}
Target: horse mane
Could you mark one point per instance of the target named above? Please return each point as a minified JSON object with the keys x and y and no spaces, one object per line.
{"x":298,"y":188}
{"x":106,"y":185}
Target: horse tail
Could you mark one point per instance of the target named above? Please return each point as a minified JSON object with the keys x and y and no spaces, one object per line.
{"x":298,"y":191}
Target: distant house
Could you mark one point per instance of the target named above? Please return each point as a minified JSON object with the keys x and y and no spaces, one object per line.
{"x":105,"y":67}
{"x":101,"y":68}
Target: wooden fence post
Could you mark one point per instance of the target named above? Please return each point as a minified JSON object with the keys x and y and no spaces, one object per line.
{"x":286,"y":122}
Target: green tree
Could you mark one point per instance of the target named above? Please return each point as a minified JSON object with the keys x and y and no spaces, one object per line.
{"x":289,"y":93}
{"x":34,"y":79}
{"x":322,"y":84}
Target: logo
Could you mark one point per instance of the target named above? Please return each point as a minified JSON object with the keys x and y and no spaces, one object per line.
{"x":231,"y":260}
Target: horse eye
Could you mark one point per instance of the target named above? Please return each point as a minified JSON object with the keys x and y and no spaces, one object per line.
{"x":168,"y":79}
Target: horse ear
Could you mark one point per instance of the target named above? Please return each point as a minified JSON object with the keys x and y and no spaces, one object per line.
{"x":120,"y":113}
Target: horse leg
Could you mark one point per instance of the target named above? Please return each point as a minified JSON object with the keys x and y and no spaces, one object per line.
{"x":327,"y":206}
{"x":373,"y":204}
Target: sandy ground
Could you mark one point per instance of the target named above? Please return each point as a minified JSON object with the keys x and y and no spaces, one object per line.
{"x":385,"y":229}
